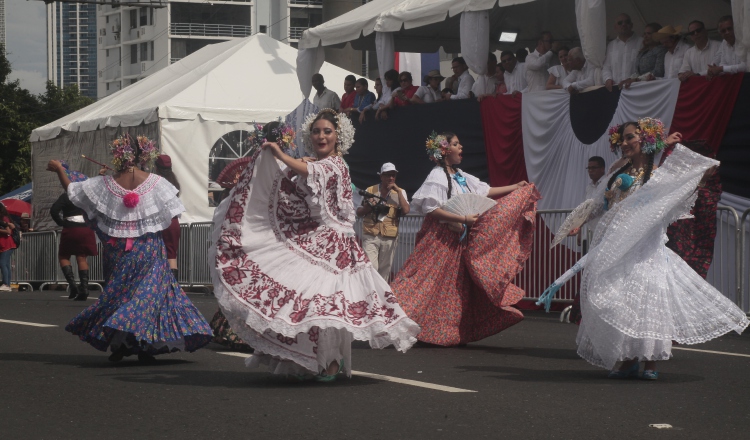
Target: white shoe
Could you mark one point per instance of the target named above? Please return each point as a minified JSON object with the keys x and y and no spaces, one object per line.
{"x":5,"y":288}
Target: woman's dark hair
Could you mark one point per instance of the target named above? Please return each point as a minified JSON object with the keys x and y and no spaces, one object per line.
{"x":328,"y":116}
{"x":362,"y":82}
{"x":391,"y":75}
{"x":350,"y":78}
{"x":3,"y":211}
{"x":167,"y":174}
{"x":270,"y":131}
{"x":448,"y":136}
{"x":406,"y":75}
{"x":654,"y":27}
{"x":649,"y":164}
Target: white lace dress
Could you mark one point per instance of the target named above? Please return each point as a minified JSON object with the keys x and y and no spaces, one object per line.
{"x":289,"y":274}
{"x":637,"y":296}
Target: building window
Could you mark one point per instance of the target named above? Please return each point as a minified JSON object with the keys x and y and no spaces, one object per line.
{"x":144,"y":51}
{"x":133,"y":18}
{"x":151,"y":15}
{"x":107,"y":52}
{"x":144,"y":16}
{"x":151,"y":51}
{"x":107,"y":21}
{"x":133,"y":53}
{"x":107,"y":86}
{"x":262,"y":29}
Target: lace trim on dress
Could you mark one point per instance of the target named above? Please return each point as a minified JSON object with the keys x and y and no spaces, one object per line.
{"x":102,"y":200}
{"x":434,"y":191}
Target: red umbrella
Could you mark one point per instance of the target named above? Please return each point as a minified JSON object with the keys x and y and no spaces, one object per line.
{"x":16,"y":207}
{"x":229,"y":176}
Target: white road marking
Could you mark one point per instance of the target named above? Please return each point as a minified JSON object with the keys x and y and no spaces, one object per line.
{"x":32,"y":324}
{"x":414,"y":383}
{"x":712,"y":352}
{"x":91,"y":298}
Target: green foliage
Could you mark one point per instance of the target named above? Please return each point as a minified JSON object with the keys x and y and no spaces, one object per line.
{"x":20,"y":113}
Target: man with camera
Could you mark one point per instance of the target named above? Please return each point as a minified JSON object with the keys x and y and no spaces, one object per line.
{"x":381,"y":208}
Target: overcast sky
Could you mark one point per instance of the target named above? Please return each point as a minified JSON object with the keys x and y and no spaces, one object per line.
{"x":26,"y":42}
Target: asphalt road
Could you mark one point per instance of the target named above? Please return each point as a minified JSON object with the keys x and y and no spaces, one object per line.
{"x":527,"y":383}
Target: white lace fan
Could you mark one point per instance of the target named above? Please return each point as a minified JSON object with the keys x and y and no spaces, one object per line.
{"x":468,"y":203}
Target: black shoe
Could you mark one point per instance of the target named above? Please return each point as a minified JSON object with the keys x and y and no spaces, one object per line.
{"x":118,"y":354}
{"x":83,"y":289}
{"x":70,"y":278}
{"x":176,"y":274}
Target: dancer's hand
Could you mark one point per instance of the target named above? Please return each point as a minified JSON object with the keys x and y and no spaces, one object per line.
{"x":674,"y":138}
{"x":521,"y":184}
{"x":574,"y":231}
{"x":470,"y":219}
{"x":54,"y":165}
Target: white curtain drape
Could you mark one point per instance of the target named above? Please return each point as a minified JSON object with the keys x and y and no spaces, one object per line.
{"x":556,"y":159}
{"x":741,"y":18}
{"x":385,"y":50}
{"x":591,"y":19}
{"x":475,"y":40}
{"x":309,"y":62}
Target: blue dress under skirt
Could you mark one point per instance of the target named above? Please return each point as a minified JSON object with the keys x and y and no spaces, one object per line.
{"x":142,"y":305}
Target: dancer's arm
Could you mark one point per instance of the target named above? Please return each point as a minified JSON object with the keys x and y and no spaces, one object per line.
{"x":56,"y":166}
{"x":299,"y":166}
{"x":499,"y":191}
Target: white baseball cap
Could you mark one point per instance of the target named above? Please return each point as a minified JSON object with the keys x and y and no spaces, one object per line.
{"x":387,"y":167}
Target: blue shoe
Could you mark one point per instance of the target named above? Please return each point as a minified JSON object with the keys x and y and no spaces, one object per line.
{"x":323,"y":377}
{"x":650,"y":375}
{"x":630,"y":373}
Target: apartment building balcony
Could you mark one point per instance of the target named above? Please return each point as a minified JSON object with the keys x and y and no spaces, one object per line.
{"x":210,"y":30}
{"x":306,"y":2}
{"x":295,"y":33}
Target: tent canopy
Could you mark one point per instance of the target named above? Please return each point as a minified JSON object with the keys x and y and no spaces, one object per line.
{"x":244,"y":80}
{"x":23,"y":193}
{"x":426,"y":25}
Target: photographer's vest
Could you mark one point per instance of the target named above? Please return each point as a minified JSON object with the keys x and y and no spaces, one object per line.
{"x":388,"y":227}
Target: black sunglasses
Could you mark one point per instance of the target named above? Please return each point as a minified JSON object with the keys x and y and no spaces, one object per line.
{"x":697,"y":31}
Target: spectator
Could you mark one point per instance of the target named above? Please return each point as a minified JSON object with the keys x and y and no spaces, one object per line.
{"x":672,"y":41}
{"x":500,"y":88}
{"x":324,"y":98}
{"x":486,"y":84}
{"x":596,"y":169}
{"x":380,"y":223}
{"x":347,"y":99}
{"x":558,"y":73}
{"x":391,"y":78}
{"x":581,"y":74}
{"x":726,"y":59}
{"x":400,"y":97}
{"x":515,"y":72}
{"x":25,"y":223}
{"x":698,"y":57}
{"x":431,"y":92}
{"x":649,"y":63}
{"x":363,"y":97}
{"x":378,"y":87}
{"x":7,"y":245}
{"x":521,"y":55}
{"x":464,"y":78}
{"x":539,"y":62}
{"x":446,"y":93}
{"x":619,"y":63}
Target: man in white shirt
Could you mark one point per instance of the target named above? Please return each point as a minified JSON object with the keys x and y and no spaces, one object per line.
{"x":698,"y":57}
{"x":485,"y":84}
{"x":619,"y":63}
{"x":515,"y":73}
{"x":431,"y":92}
{"x":539,"y":62}
{"x":596,"y":169}
{"x":465,"y":80}
{"x":324,"y":98}
{"x":581,"y":74}
{"x":671,"y":39}
{"x":726,"y":59}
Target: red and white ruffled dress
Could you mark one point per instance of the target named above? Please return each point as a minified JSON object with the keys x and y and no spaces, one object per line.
{"x":289,"y":274}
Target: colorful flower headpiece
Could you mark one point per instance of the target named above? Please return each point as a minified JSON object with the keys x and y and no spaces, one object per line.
{"x":652,"y":133}
{"x":124,"y":152}
{"x":284,"y":135}
{"x":437,"y":146}
{"x":344,"y":132}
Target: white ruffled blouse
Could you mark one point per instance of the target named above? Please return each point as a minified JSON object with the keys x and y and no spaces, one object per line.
{"x":103,"y":199}
{"x":434,"y":191}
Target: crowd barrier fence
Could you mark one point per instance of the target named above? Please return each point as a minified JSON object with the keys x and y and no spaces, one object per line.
{"x":36,"y":259}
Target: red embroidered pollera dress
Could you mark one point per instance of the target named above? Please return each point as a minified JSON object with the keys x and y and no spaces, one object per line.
{"x":289,"y":274}
{"x":462,"y":291}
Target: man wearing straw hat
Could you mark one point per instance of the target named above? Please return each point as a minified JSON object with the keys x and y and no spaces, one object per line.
{"x":671,"y":39}
{"x":381,"y":212}
{"x":431,"y":92}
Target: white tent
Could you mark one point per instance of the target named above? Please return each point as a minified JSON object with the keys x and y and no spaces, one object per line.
{"x":199,"y":107}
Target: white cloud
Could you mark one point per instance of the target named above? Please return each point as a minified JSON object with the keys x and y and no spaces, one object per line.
{"x":31,"y":80}
{"x":26,"y":42}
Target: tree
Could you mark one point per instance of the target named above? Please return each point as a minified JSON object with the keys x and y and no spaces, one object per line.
{"x":20,"y":113}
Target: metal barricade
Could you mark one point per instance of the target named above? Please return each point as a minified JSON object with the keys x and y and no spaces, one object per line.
{"x":744,"y":276}
{"x":725,"y":272}
{"x":96,"y":266}
{"x":200,"y":241}
{"x":184,"y":251}
{"x":34,"y":261}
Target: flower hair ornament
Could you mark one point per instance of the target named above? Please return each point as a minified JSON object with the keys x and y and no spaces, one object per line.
{"x":651,"y":131}
{"x":437,"y":146}
{"x":124,"y":152}
{"x":344,"y":132}
{"x":283,"y":135}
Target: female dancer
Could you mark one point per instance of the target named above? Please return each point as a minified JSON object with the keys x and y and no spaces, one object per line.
{"x":460,"y":291}
{"x":76,"y":239}
{"x":142,"y":308}
{"x":289,"y":275}
{"x":171,"y":235}
{"x":637,"y":296}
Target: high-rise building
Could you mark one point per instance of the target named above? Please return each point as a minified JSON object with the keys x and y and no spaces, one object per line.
{"x":2,"y":22}
{"x":136,"y":41}
{"x":71,"y":46}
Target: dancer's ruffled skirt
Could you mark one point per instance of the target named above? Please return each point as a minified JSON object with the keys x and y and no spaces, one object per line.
{"x":142,"y":304}
{"x":463,"y":292}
